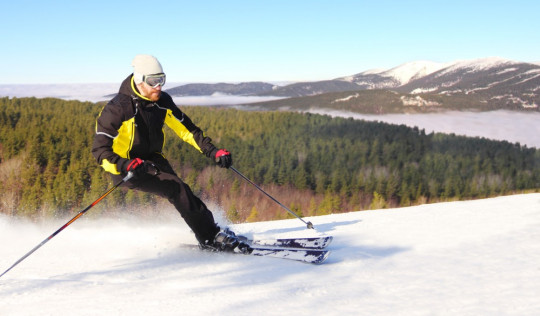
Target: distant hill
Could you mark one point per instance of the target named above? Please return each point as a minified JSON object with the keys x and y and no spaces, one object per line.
{"x":380,"y":102}
{"x":311,"y":88}
{"x":482,"y":84}
{"x":494,"y":81}
{"x":201,"y":89}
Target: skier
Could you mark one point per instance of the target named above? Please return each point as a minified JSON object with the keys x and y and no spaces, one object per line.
{"x":129,"y":137}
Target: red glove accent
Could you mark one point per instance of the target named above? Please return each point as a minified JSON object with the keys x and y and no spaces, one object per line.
{"x":134,"y":164}
{"x":222,"y":152}
{"x":223,"y":158}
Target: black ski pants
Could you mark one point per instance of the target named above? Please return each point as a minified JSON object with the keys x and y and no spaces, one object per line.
{"x":168,"y":185}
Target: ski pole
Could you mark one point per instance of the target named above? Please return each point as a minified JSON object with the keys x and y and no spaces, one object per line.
{"x":81,"y":213}
{"x":309,"y":224}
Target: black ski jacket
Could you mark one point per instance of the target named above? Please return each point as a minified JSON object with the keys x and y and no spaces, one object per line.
{"x":131,"y":126}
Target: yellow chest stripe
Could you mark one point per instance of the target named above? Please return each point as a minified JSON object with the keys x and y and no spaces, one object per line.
{"x":123,"y":143}
{"x":180,"y":130}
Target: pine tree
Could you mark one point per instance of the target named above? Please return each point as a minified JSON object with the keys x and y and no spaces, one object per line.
{"x":253,"y":215}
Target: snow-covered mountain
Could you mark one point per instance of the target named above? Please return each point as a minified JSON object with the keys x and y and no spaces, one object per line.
{"x":476,"y":258}
{"x":415,"y":71}
{"x":397,"y":76}
{"x":505,"y":83}
{"x":495,"y":77}
{"x":500,"y":82}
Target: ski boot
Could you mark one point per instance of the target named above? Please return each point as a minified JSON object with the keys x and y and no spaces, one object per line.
{"x":226,"y":240}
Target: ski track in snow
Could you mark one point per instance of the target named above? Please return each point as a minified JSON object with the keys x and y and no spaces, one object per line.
{"x":458,"y":258}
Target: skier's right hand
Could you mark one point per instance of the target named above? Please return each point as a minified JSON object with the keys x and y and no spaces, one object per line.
{"x":140,"y":167}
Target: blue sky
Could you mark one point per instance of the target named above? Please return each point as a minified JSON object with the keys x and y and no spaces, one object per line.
{"x":233,"y":41}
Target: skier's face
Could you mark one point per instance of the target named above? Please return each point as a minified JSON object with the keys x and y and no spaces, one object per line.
{"x":148,"y":92}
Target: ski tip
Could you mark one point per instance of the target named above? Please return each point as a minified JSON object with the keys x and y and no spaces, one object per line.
{"x":322,"y":258}
{"x":330,"y":239}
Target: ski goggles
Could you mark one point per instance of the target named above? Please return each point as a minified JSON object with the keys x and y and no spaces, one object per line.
{"x":154,"y":80}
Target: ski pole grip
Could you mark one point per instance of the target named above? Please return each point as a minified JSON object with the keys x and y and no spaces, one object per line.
{"x":129,"y":175}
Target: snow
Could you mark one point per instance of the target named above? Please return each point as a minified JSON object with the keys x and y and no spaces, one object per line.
{"x":403,"y":73}
{"x":475,"y":65}
{"x":407,"y":72}
{"x":412,"y":70}
{"x":354,"y":96}
{"x":530,"y":78}
{"x":417,"y":101}
{"x":373,"y":71}
{"x":456,"y":258}
{"x":424,"y":90}
{"x":507,"y":70}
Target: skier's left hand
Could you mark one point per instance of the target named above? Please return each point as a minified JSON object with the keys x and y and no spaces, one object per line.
{"x":223,"y":158}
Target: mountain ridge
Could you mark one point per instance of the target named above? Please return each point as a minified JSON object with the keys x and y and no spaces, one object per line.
{"x":496,"y":82}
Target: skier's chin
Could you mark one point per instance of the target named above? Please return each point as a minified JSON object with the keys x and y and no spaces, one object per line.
{"x":154,"y":96}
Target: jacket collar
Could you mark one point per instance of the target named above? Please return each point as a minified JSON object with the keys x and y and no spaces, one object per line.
{"x":136,"y":91}
{"x":129,"y":88}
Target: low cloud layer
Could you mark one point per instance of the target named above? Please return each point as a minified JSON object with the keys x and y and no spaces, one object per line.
{"x":511,"y":126}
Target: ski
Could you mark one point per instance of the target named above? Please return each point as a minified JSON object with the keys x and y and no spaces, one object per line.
{"x":303,"y":249}
{"x":314,"y":256}
{"x":300,"y":243}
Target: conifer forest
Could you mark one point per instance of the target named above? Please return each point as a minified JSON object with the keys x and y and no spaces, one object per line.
{"x":313,"y":164}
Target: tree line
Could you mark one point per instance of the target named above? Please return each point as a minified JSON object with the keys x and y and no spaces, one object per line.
{"x":314,"y":164}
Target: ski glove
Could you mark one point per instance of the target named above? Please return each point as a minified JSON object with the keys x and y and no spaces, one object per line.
{"x":223,"y":158}
{"x":140,"y":167}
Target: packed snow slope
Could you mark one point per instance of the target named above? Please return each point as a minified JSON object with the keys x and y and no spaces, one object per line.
{"x":459,"y":258}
